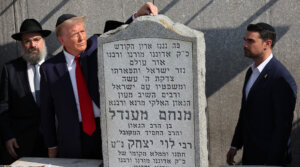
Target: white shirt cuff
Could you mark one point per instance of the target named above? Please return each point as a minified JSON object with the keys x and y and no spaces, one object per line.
{"x":233,"y":148}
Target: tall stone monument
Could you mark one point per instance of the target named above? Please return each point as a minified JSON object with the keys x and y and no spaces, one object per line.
{"x":152,"y":87}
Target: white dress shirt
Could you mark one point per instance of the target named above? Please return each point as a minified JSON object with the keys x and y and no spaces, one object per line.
{"x":71,"y":65}
{"x":30,"y":73}
{"x":255,"y":73}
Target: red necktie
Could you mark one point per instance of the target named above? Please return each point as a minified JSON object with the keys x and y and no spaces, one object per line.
{"x":85,"y":102}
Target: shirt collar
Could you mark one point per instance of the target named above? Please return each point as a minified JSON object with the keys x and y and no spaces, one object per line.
{"x":262,"y":65}
{"x":39,"y":63}
{"x":69,"y":58}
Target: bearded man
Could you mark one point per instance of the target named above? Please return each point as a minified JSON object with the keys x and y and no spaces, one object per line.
{"x":19,"y":96}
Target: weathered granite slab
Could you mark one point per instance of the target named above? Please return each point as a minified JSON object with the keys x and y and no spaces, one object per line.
{"x":152,"y":87}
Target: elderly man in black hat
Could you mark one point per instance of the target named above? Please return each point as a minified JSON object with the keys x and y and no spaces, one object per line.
{"x":19,"y":95}
{"x":69,"y":91}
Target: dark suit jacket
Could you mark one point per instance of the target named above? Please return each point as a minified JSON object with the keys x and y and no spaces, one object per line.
{"x":19,"y":114}
{"x":265,"y":120}
{"x":58,"y":100}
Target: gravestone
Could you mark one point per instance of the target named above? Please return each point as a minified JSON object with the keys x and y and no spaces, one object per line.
{"x":152,"y":88}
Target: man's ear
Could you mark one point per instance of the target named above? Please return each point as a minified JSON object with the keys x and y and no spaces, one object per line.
{"x":60,"y":39}
{"x":268,"y":43}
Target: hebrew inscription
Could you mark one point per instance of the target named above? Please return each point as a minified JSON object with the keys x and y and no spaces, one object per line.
{"x":149,"y":102}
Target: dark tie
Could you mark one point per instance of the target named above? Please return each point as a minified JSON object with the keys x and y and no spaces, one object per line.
{"x":85,"y":102}
{"x":248,"y":74}
{"x":36,"y":79}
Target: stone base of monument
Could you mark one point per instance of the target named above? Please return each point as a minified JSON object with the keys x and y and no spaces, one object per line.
{"x":57,"y":162}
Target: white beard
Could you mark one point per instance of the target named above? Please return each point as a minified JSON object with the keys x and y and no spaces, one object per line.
{"x":35,"y":58}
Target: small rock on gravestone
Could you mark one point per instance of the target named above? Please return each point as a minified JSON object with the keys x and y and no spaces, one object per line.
{"x":152,"y":88}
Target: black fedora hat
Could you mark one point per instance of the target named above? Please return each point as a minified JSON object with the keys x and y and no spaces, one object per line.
{"x":28,"y":26}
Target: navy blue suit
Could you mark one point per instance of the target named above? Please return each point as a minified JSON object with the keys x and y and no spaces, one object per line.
{"x":58,"y":99}
{"x":266,"y":116}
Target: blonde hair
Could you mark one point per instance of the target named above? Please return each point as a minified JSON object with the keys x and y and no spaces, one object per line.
{"x":72,"y":21}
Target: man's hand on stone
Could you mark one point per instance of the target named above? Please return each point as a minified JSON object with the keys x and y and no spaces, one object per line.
{"x":11,"y":144}
{"x":147,"y":9}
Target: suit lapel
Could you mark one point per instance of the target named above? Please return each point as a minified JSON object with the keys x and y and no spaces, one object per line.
{"x":24,"y":78}
{"x":64,"y":76}
{"x":263,"y":76}
{"x":248,"y":74}
{"x":83,"y":64}
{"x":61,"y":66}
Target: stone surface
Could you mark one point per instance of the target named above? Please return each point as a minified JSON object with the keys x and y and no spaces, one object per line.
{"x":152,"y":82}
{"x":56,"y":162}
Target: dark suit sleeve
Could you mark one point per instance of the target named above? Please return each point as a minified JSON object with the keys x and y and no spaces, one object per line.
{"x":237,"y":140}
{"x":284,"y":101}
{"x":47,"y":112}
{"x":112,"y":24}
{"x":129,"y":20}
{"x":5,"y":123}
